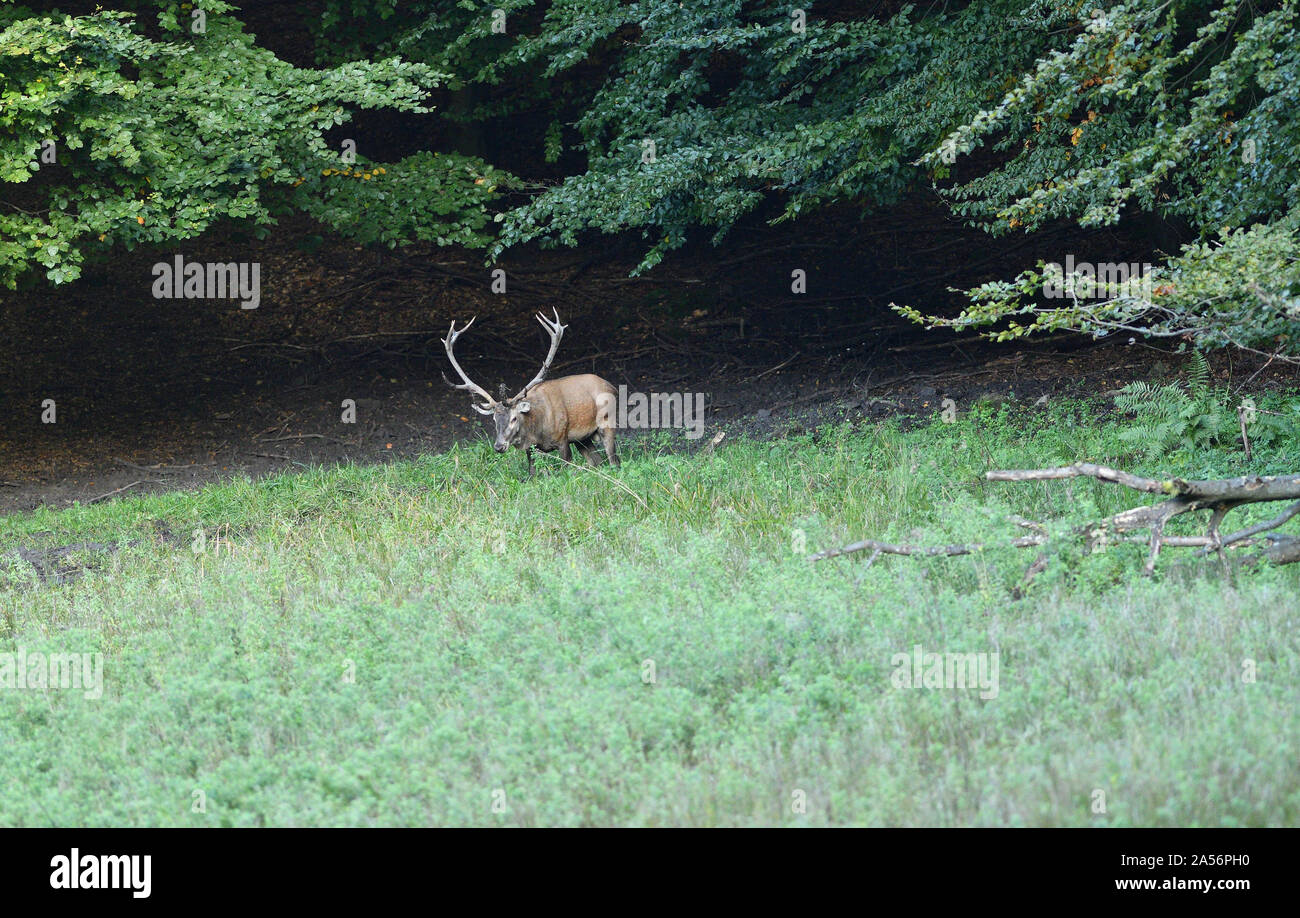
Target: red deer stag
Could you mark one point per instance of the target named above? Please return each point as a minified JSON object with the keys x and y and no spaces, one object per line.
{"x":547,"y":415}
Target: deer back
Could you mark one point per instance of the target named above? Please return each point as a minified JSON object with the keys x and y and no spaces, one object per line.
{"x":570,"y":408}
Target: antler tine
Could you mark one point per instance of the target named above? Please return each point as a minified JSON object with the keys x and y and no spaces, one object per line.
{"x":449,"y":343}
{"x":556,"y":331}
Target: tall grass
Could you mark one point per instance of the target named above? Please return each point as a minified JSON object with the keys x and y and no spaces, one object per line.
{"x":440,"y":642}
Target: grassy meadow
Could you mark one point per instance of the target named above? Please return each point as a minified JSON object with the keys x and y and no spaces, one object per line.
{"x":440,"y":642}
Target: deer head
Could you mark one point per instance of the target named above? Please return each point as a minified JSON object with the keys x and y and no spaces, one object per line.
{"x":510,"y":414}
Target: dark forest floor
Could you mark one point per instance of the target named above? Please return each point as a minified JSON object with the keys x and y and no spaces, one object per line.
{"x":164,"y":394}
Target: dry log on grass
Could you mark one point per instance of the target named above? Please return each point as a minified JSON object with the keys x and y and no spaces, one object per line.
{"x":889,"y":548}
{"x":1219,"y":496}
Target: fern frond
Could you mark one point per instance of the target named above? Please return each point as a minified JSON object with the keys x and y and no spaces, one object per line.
{"x":1198,"y":376}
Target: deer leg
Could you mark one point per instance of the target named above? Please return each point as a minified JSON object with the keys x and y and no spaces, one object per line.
{"x":588,"y":451}
{"x":529,"y":451}
{"x":607,"y":436}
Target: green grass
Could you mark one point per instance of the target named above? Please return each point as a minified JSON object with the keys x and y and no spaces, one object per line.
{"x":414,"y":643}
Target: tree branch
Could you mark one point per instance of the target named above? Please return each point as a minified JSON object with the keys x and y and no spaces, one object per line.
{"x":1216,"y":495}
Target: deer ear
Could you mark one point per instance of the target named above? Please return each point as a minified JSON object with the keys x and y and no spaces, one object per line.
{"x":481,"y":409}
{"x":523,"y":407}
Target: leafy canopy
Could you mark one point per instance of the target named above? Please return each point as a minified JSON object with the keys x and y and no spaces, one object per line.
{"x":154,"y":140}
{"x":679,"y":117}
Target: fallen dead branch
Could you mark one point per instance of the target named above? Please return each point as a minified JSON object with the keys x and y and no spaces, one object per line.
{"x":306,"y":436}
{"x":1219,"y":496}
{"x":105,"y":496}
{"x":930,"y":551}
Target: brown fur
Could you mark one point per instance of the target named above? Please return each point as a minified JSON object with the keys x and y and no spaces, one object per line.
{"x":571,"y":410}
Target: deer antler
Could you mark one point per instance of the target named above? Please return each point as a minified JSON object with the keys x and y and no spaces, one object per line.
{"x":556,"y":331}
{"x":448,"y":344}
